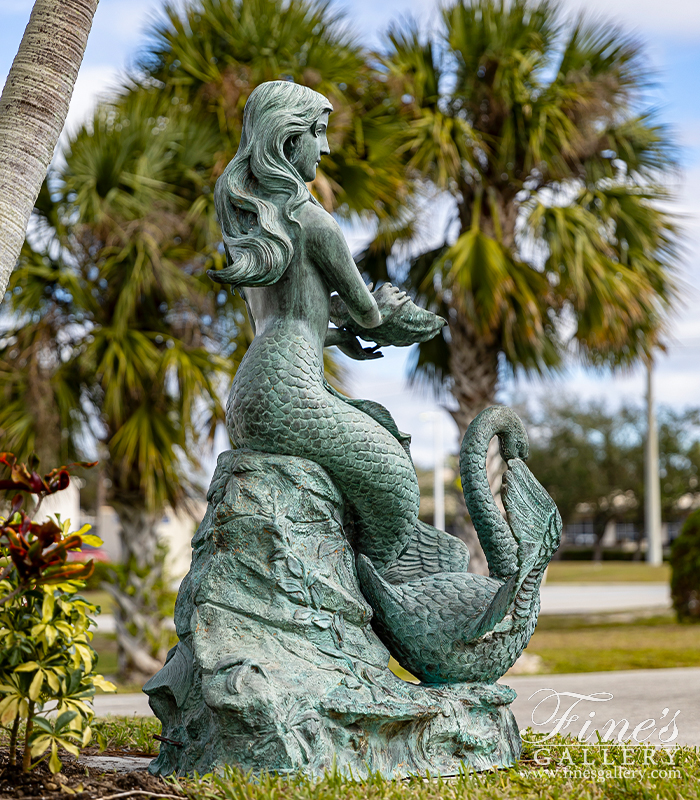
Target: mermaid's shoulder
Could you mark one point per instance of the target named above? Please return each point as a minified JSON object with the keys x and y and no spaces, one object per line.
{"x":317,"y":223}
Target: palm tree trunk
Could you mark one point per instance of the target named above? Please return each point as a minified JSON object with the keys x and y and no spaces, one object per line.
{"x":33,"y":108}
{"x":474,"y":370}
{"x":142,"y":637}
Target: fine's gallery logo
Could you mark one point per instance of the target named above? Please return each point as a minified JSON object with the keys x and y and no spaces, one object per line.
{"x":576,"y":720}
{"x":617,"y":748}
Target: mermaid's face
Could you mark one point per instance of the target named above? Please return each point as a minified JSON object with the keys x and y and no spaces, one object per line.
{"x":306,"y":150}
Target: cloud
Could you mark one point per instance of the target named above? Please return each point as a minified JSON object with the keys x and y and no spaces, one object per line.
{"x":118,"y":31}
{"x":676,"y":17}
{"x":676,"y":384}
{"x":124,"y":20}
{"x":679,"y":18}
{"x":688,"y":134}
{"x":92,"y":85}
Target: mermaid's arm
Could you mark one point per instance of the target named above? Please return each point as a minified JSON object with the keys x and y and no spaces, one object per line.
{"x":329,"y":251}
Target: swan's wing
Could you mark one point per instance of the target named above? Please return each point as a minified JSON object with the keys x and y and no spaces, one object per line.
{"x":430,"y":552}
{"x":496,"y":611}
{"x":532,"y":515}
{"x":432,"y":614}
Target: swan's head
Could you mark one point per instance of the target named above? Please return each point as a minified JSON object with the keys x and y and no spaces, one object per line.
{"x":502,"y":422}
{"x":512,"y":436}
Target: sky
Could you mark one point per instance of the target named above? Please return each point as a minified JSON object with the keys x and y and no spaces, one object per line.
{"x":671,"y":33}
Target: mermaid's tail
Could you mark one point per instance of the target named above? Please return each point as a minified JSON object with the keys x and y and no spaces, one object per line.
{"x":360,"y":447}
{"x":444,"y":624}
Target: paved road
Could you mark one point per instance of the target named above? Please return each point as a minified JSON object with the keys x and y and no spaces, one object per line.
{"x":591,"y":598}
{"x":635,"y":696}
{"x":122,"y":705}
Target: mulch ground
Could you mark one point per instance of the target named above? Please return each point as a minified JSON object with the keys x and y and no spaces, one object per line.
{"x":79,"y":782}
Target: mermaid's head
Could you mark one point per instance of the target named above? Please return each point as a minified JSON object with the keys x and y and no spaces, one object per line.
{"x":278,"y":117}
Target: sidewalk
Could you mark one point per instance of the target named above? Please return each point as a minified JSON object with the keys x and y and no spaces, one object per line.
{"x":566,"y":598}
{"x":122,"y":705}
{"x":635,"y":696}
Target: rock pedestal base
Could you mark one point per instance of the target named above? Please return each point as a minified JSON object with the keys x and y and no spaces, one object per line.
{"x":278,"y":668}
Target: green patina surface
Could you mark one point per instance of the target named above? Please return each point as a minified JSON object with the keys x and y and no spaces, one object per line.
{"x":310,"y":565}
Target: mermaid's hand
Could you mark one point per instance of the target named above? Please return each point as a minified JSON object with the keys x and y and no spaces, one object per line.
{"x":389,"y":300}
{"x":347,"y":343}
{"x":353,"y":349}
{"x":403,"y":322}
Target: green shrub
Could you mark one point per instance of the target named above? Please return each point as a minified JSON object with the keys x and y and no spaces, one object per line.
{"x":46,"y":659}
{"x":685,"y":570}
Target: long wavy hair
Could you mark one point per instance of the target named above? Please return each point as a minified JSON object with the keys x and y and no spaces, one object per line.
{"x":258,"y":248}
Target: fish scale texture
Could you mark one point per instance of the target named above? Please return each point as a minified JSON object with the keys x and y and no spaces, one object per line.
{"x":279,"y":404}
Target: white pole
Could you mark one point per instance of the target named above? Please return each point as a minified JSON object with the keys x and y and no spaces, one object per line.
{"x":438,"y":473}
{"x":652,"y":516}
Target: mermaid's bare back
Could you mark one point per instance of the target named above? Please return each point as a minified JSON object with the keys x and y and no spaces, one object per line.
{"x":279,"y":403}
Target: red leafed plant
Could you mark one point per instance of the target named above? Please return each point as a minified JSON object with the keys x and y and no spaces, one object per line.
{"x":47,"y":663}
{"x":38,"y":550}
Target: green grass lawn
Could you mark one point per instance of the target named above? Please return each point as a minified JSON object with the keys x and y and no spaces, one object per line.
{"x":569,"y":644}
{"x":133,"y":735}
{"x":606,"y":572}
{"x":106,"y":647}
{"x":575,"y":772}
{"x":100,"y":598}
{"x":550,"y":769}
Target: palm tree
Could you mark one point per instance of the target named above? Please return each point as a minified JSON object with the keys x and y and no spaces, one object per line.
{"x":122,"y":337}
{"x":557,"y":244}
{"x":33,"y":108}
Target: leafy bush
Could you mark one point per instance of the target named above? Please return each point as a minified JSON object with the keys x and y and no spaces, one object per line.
{"x":46,"y":659}
{"x":685,"y":570}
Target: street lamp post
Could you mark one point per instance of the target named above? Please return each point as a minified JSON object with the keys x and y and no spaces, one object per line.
{"x":652,"y":501}
{"x":438,"y":469}
{"x":438,"y":473}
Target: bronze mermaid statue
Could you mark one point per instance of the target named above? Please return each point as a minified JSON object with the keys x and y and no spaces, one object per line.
{"x":289,"y":260}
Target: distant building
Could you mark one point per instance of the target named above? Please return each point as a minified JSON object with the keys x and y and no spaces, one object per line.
{"x":175,"y":530}
{"x":65,"y":503}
